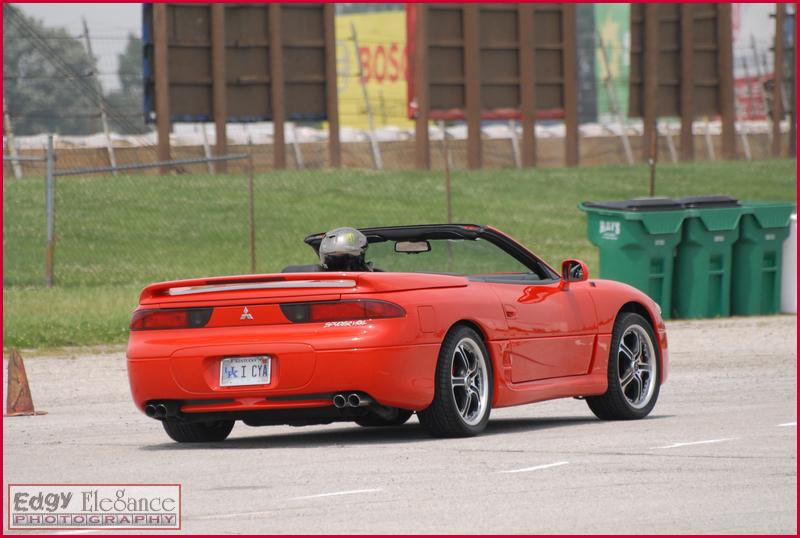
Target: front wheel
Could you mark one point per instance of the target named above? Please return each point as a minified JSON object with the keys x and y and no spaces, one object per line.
{"x":198,"y":432}
{"x":462,"y":399}
{"x":633,"y":372}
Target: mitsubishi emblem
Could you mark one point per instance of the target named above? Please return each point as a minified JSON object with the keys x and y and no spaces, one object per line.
{"x":246,"y":314}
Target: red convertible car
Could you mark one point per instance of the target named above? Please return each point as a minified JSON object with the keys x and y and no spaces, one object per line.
{"x":448,"y":321}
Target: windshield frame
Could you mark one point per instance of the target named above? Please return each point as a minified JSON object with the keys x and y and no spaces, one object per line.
{"x":423,"y":232}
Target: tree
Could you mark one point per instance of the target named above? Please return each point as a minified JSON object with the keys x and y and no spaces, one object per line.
{"x":46,"y":72}
{"x":128,"y":101}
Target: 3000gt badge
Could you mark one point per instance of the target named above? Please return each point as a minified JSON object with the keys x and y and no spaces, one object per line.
{"x":355,"y":323}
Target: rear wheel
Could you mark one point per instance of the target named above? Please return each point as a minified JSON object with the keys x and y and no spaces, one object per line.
{"x":633,"y":373}
{"x":198,"y":432}
{"x":400,"y":416}
{"x":463,"y":392}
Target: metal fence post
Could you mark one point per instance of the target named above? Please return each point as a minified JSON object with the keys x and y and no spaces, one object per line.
{"x":252,"y":210}
{"x":50,"y":203}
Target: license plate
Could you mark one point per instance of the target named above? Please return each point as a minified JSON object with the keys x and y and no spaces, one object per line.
{"x":239,"y":371}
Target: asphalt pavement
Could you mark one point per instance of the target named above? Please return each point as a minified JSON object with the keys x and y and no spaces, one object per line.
{"x":717,"y":455}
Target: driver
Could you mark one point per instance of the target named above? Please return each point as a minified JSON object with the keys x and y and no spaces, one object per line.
{"x":344,"y":249}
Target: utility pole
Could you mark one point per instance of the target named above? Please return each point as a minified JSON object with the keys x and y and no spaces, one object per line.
{"x":12,"y":146}
{"x":206,"y":147}
{"x":653,"y":158}
{"x":741,"y":115}
{"x":673,"y":154}
{"x":758,"y":62}
{"x":101,"y":100}
{"x":708,"y":139}
{"x":298,"y":152}
{"x":373,"y":142}
{"x":515,"y":153}
{"x":608,"y":80}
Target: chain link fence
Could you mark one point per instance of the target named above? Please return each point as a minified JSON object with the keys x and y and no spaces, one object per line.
{"x":135,"y":228}
{"x":114,"y":234}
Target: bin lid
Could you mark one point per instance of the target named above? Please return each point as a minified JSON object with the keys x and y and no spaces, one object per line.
{"x":659,"y":215}
{"x":708,"y":201}
{"x":770,"y":214}
{"x":658,"y":203}
{"x":718,"y":212}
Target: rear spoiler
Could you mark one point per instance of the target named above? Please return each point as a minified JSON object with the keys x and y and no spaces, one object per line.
{"x":244,"y":283}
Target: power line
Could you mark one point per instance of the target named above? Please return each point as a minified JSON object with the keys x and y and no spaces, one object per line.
{"x":87,"y":88}
{"x":62,"y":77}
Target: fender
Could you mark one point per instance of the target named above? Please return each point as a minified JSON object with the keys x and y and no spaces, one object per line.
{"x":609,"y":299}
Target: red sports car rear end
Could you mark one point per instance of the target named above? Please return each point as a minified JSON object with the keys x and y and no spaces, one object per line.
{"x":374,"y":346}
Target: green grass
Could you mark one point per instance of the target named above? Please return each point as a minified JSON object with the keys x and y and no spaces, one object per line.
{"x":116,"y":234}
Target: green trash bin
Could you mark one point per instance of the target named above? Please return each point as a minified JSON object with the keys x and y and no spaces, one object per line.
{"x":637,"y":240}
{"x":702,"y":286}
{"x":757,"y":258}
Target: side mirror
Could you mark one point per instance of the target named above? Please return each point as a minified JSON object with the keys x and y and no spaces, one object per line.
{"x":574,"y":271}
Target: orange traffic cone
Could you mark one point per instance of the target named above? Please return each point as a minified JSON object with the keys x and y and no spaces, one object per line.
{"x":20,"y":402}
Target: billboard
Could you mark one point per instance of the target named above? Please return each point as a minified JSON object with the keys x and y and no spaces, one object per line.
{"x":709,"y":51}
{"x":497,"y":53}
{"x":247,"y":73}
{"x":612,"y":22}
{"x":383,"y":57}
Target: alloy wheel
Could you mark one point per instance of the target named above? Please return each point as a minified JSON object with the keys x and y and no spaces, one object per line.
{"x":637,"y":366}
{"x":469,"y":381}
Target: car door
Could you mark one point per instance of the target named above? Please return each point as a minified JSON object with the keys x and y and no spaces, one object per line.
{"x":551,"y":328}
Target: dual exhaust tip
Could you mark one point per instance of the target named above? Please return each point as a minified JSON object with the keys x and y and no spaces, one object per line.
{"x":353,"y":399}
{"x":156,"y":410}
{"x":340,"y":401}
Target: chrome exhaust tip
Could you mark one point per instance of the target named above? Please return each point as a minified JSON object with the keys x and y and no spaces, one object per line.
{"x":161,"y":411}
{"x":339,"y":401}
{"x":357,"y":400}
{"x":150,"y":410}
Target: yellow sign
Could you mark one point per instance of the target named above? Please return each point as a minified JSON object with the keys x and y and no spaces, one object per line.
{"x":382,"y":54}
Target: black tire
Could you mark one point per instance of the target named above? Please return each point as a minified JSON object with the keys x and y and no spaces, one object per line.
{"x":443,"y":418}
{"x":198,"y":432}
{"x":616,"y":403}
{"x":372,"y":420}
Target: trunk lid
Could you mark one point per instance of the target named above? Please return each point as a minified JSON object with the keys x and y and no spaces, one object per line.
{"x":287,"y":287}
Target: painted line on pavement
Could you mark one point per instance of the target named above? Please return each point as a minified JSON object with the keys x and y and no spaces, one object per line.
{"x":235,"y":515}
{"x":538,"y":467}
{"x":676,"y":445}
{"x":335,"y":493}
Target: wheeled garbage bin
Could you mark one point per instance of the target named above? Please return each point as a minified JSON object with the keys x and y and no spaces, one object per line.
{"x":757,"y":257}
{"x":637,"y":240}
{"x":702,"y":285}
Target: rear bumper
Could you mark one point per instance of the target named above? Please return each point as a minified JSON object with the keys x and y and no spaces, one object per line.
{"x":302,"y":377}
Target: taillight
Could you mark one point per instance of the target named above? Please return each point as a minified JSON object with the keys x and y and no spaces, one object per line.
{"x":340,"y":311}
{"x":170,"y":318}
